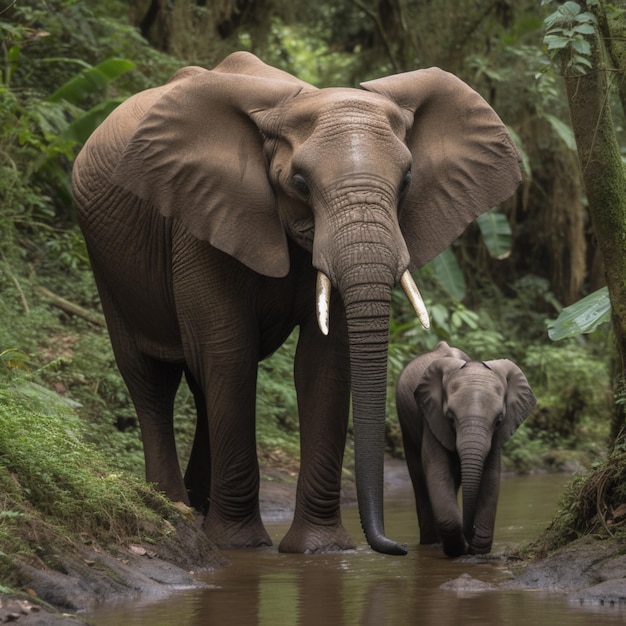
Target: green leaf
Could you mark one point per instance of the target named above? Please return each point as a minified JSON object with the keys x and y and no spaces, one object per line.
{"x":81,"y":128}
{"x":555,"y":42}
{"x":581,"y":46}
{"x":440,"y":317}
{"x":585,"y":29}
{"x":91,"y":81}
{"x":581,"y":317}
{"x":565,"y":133}
{"x":449,"y":273}
{"x":496,"y":233}
{"x":570,"y":9}
{"x":587,"y":18}
{"x":13,"y":54}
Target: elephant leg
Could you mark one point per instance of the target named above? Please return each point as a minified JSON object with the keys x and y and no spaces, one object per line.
{"x":443,"y":478}
{"x":485,"y":518}
{"x":198,"y":473}
{"x":322,"y":380}
{"x":425,"y":515}
{"x":234,"y":518}
{"x":152,"y":385}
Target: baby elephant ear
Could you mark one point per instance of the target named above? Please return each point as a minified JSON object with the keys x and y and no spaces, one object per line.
{"x":430,"y":394}
{"x":464,"y":160}
{"x":197,"y":155}
{"x":520,"y":400}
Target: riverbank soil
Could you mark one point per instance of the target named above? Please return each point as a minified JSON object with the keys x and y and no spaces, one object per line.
{"x":589,"y":570}
{"x":69,"y":577}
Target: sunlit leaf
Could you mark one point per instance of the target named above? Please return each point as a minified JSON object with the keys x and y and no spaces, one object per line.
{"x":15,"y":359}
{"x":581,"y":317}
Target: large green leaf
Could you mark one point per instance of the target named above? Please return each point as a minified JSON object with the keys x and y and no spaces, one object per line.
{"x":91,"y":80}
{"x":81,"y":128}
{"x":496,"y":233}
{"x":449,"y":273}
{"x":581,"y":317}
{"x":564,"y":131}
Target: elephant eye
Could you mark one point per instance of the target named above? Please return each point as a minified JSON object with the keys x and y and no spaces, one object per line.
{"x":451,"y":419}
{"x":499,"y":420}
{"x":406,"y":183}
{"x":300,"y":185}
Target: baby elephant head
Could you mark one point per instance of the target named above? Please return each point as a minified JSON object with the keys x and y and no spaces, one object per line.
{"x":473,"y":408}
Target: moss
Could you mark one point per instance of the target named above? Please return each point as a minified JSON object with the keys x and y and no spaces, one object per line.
{"x":58,"y":491}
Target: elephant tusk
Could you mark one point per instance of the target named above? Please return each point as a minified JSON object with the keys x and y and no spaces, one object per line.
{"x":323,"y":288}
{"x":415,"y":298}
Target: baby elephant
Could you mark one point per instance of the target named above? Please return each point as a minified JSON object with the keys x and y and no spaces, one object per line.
{"x":455,"y":415}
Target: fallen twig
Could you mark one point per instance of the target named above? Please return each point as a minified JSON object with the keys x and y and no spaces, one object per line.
{"x":72,"y":308}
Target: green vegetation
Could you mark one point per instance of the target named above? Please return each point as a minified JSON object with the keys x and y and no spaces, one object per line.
{"x":56,"y":488}
{"x":64,"y":64}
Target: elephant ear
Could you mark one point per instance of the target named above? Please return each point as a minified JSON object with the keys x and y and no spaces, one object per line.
{"x":429,"y":396}
{"x":464,"y":160}
{"x":197,"y":156}
{"x":519,"y":402}
{"x":247,"y":63}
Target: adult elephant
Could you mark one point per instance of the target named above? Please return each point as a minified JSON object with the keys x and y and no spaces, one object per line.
{"x":211,"y":204}
{"x":455,"y":416}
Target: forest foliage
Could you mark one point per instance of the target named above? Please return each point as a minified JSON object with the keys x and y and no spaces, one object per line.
{"x":66,"y":63}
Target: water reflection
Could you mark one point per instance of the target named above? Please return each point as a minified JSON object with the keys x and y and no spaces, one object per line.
{"x":264,"y":588}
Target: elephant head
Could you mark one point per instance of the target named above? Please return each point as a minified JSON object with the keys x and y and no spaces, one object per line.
{"x":372,"y":182}
{"x":473,"y":408}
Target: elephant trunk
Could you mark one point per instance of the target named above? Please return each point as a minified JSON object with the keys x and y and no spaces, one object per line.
{"x":364,"y":259}
{"x":472,"y":451}
{"x":368,"y":338}
{"x":366,"y":292}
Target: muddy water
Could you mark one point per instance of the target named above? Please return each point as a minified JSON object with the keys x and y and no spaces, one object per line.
{"x":264,"y":588}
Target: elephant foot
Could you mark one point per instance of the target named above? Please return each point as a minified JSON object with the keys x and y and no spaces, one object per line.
{"x":482,"y":549}
{"x":236,"y":534}
{"x":316,"y":539}
{"x":454,"y":546}
{"x":429,"y":538}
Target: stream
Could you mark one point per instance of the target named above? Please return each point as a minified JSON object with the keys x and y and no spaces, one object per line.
{"x":264,"y":588}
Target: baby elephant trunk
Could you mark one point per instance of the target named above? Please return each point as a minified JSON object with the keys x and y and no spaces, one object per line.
{"x":473,"y":448}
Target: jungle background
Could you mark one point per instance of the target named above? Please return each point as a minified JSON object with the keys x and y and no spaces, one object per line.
{"x":511,"y":287}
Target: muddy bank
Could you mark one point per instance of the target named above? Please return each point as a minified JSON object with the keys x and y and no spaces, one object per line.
{"x":588,"y":571}
{"x":70,"y":578}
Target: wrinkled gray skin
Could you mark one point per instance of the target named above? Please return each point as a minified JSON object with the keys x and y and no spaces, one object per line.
{"x":209,"y":205}
{"x":455,"y":415}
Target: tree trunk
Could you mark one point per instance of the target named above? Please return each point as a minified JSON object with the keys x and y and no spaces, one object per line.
{"x":605,"y":182}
